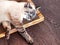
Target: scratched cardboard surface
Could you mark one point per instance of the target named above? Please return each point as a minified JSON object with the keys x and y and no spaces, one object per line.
{"x":24,"y":21}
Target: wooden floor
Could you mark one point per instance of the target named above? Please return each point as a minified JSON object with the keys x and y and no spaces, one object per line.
{"x":45,"y":33}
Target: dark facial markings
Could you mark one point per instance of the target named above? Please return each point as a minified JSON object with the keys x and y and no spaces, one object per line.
{"x":26,"y":6}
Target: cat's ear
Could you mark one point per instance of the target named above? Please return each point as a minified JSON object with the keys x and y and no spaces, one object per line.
{"x":27,"y":5}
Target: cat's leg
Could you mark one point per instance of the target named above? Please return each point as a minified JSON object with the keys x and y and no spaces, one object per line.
{"x":7,"y":26}
{"x":24,"y":33}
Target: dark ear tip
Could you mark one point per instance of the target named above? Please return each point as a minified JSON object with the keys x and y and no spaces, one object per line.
{"x":25,"y":5}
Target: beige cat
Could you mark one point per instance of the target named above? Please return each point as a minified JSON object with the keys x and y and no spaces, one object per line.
{"x":14,"y":12}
